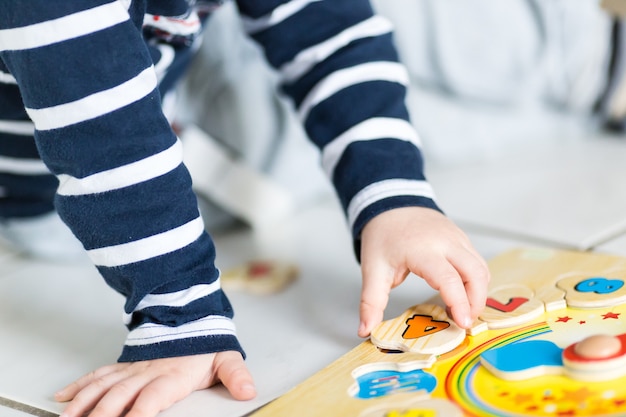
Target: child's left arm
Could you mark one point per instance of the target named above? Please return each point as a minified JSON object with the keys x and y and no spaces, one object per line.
{"x":89,"y":85}
{"x":425,"y":242}
{"x":147,"y":387}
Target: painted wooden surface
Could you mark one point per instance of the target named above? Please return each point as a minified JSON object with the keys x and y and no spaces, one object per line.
{"x":395,"y":386}
{"x":425,"y":328}
{"x":259,"y":277}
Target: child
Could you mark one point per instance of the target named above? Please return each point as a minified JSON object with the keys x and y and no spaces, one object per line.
{"x":88,"y":83}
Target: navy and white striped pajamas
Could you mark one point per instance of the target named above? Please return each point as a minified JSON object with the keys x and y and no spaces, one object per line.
{"x":85,"y":76}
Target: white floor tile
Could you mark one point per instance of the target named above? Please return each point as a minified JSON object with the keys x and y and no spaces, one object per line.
{"x":565,"y":192}
{"x":616,"y":246}
{"x":59,"y":322}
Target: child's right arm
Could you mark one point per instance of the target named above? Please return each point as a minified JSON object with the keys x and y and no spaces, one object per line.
{"x":338,"y":64}
{"x":425,"y":242}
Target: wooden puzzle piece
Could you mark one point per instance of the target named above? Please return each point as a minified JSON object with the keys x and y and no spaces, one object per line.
{"x":552,"y":296}
{"x":413,"y":362}
{"x":461,"y":377}
{"x":511,"y":305}
{"x":538,"y":275}
{"x":524,"y":360}
{"x":595,"y":358}
{"x":259,"y":277}
{"x":415,"y":408}
{"x":478,"y":327}
{"x":384,"y":382}
{"x":592,"y":291}
{"x":423,"y":329}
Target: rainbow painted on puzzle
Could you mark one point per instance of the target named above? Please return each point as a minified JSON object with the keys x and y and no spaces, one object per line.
{"x":479,"y":393}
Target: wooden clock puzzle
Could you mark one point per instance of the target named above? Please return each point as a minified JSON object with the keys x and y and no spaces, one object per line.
{"x":551,"y":342}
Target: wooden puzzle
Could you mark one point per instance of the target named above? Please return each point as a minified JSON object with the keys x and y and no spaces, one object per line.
{"x":551,"y":342}
{"x":259,"y":277}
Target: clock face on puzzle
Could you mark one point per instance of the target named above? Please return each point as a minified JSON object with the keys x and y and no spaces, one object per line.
{"x":540,"y":386}
{"x":566,"y":362}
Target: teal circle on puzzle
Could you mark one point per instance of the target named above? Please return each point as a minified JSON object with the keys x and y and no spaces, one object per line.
{"x":599,"y":285}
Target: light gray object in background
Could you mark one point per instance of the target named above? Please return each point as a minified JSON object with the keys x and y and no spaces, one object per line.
{"x":491,"y":77}
{"x":505,"y":51}
{"x":231,"y":94}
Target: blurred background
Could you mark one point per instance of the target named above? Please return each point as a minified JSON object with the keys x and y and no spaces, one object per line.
{"x":521,"y":110}
{"x":492,"y":82}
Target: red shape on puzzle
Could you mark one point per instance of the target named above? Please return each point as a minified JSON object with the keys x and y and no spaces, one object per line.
{"x":570,"y":354}
{"x":420,"y":325}
{"x":259,"y":269}
{"x":512,"y":305}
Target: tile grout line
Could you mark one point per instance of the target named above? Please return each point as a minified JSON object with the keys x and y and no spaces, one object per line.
{"x":34,"y":411}
{"x":249,"y":414}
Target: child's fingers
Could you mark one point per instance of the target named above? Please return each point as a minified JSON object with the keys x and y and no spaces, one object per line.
{"x":475,"y":275}
{"x":106,"y":373}
{"x":109,"y":395}
{"x":377,"y":283}
{"x":158,"y":395}
{"x":232,"y":371}
{"x":87,"y":391}
{"x":443,"y":277}
{"x":111,"y":402}
{"x":166,"y":390}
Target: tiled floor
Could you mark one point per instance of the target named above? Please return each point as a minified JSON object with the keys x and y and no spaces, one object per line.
{"x":566,"y":195}
{"x":567,"y":192}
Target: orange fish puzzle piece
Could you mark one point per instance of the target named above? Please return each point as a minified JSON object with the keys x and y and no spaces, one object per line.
{"x":424,"y":328}
{"x":421,"y":325}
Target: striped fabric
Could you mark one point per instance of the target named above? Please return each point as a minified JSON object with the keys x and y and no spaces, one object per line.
{"x":122,"y":187}
{"x":339,"y":65}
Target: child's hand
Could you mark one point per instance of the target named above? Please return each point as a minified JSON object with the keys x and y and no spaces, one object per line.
{"x":425,"y":242}
{"x":147,"y":387}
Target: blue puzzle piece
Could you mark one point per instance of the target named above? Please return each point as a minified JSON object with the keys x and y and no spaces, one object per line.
{"x":525,"y":355}
{"x":381,"y":383}
{"x":599,"y":285}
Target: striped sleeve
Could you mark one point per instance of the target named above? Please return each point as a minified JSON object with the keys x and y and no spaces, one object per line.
{"x":26,"y":186}
{"x":338,"y":64}
{"x":89,"y":86}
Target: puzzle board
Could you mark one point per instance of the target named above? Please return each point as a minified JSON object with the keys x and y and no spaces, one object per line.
{"x":532,"y":353}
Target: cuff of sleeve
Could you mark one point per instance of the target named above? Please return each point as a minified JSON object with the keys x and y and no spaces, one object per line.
{"x":209,"y":334}
{"x":384,"y":205}
{"x":181,"y":347}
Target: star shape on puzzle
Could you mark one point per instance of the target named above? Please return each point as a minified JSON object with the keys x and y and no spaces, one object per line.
{"x":522,"y":398}
{"x":577,"y":396}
